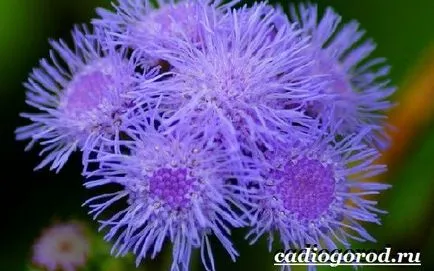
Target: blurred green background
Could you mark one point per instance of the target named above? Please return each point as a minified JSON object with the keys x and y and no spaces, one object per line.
{"x":31,"y":201}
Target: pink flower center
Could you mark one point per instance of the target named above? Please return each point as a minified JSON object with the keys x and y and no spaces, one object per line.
{"x":306,"y":188}
{"x":172,"y":187}
{"x":65,"y":247}
{"x":340,"y":83}
{"x":87,"y":92}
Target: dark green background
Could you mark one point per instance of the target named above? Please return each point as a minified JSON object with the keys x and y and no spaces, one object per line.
{"x":31,"y":200}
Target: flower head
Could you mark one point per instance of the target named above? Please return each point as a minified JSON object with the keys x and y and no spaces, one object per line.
{"x":315,"y":194}
{"x":177,"y":189}
{"x":360,"y":85}
{"x":138,"y":23}
{"x":63,"y":247}
{"x":81,"y":96}
{"x":244,"y":74}
{"x":208,"y":117}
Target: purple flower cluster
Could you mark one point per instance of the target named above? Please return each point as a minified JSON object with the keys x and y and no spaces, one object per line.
{"x":62,"y":246}
{"x":212,"y":116}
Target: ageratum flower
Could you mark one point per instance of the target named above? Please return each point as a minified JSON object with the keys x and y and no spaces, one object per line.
{"x":315,"y":193}
{"x":245,"y":71}
{"x":176,"y":190}
{"x":138,"y":23}
{"x":80,"y":97}
{"x":63,"y":246}
{"x":360,"y":86}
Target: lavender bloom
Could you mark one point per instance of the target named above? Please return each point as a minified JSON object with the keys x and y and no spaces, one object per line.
{"x":243,"y":74}
{"x":138,"y":23}
{"x":61,"y":247}
{"x":360,"y":86}
{"x":209,"y":118}
{"x":176,"y":190}
{"x":80,"y":96}
{"x":314,"y":194}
